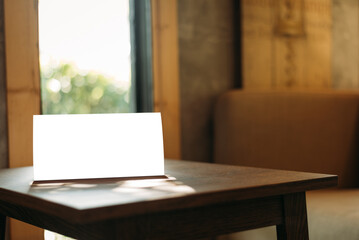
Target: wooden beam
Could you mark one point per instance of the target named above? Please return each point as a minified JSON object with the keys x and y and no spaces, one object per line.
{"x":23,"y":77}
{"x":3,"y":110}
{"x":166,"y":73}
{"x":23,"y":91}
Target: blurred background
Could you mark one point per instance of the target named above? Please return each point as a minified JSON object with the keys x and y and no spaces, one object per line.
{"x":85,"y":56}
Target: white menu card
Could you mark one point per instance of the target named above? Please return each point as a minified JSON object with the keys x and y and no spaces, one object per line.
{"x":85,"y":146}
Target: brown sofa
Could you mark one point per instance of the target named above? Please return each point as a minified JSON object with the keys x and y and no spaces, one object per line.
{"x":302,"y":131}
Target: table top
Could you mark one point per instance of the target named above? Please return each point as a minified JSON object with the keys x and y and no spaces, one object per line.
{"x":188,"y":184}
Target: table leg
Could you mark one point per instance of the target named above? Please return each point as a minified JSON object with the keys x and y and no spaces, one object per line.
{"x":295,"y":226}
{"x":2,"y":227}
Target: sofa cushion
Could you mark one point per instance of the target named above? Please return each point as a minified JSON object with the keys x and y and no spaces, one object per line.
{"x":293,"y":130}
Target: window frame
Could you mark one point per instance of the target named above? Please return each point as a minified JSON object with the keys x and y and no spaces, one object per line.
{"x":141,"y":55}
{"x":23,"y":87}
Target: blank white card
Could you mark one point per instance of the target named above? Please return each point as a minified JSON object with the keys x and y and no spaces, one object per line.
{"x":83,"y":146}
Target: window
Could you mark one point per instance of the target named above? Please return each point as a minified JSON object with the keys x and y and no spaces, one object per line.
{"x":85,"y":56}
{"x":95,"y":57}
{"x":21,"y":38}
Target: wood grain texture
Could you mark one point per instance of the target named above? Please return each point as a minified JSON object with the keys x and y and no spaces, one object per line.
{"x":3,"y":107}
{"x":189,"y":185}
{"x":23,"y":80}
{"x":295,"y":226}
{"x":197,"y":200}
{"x":345,"y":69}
{"x":257,"y":44}
{"x":190,"y":223}
{"x":166,"y":73}
{"x":23,"y":90}
{"x":53,"y":223}
{"x":196,"y":223}
{"x":285,"y":52}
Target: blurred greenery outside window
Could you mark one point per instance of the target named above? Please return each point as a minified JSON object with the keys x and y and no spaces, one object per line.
{"x":87,"y":58}
{"x":65,"y":89}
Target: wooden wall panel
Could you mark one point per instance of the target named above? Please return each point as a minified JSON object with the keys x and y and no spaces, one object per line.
{"x":319,"y":44}
{"x":257,"y":44}
{"x":345,"y":44}
{"x":23,"y":81}
{"x":3,"y":107}
{"x":166,"y":73}
{"x":286,"y":44}
{"x":23,"y":91}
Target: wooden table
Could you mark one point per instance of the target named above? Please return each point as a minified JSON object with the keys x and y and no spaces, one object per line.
{"x":196,"y":200}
